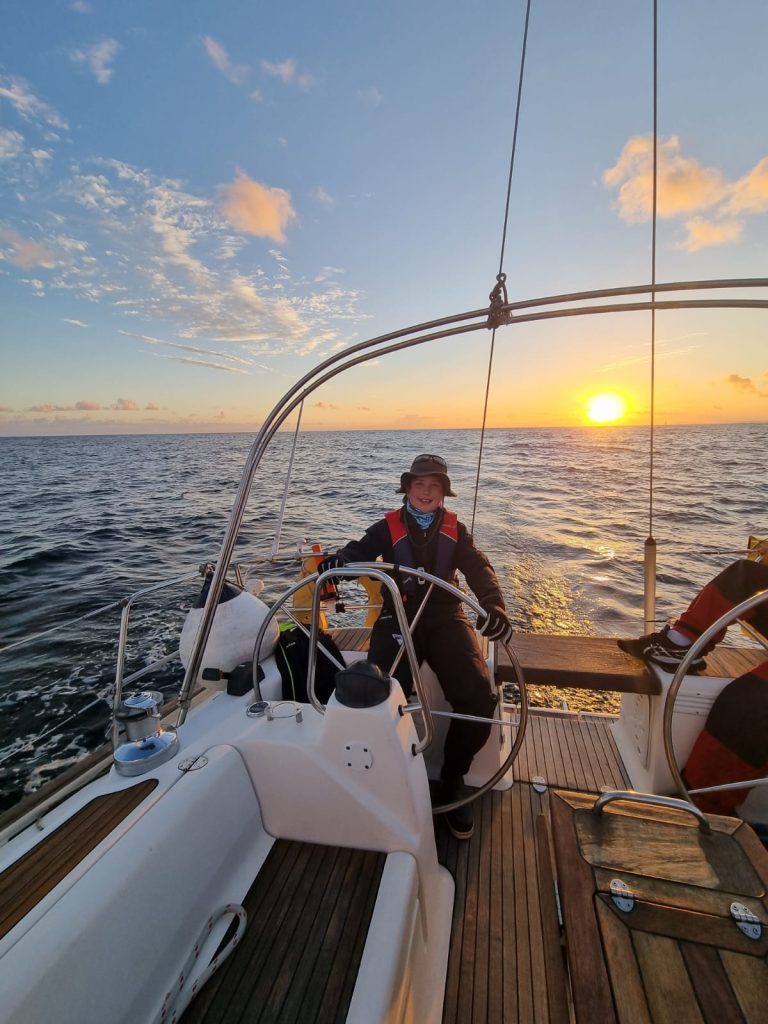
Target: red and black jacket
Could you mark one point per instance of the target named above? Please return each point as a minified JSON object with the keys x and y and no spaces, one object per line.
{"x":444,"y":548}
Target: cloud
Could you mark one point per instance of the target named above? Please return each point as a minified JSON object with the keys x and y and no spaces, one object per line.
{"x":190,"y":348}
{"x":324,"y":405}
{"x":683,"y":184}
{"x":75,"y":323}
{"x":746,"y":384}
{"x":257,"y":209}
{"x":98,"y":58}
{"x":685,"y":187}
{"x":27,"y":105}
{"x":319,"y":193}
{"x":750,"y":193}
{"x":235,"y":73}
{"x":24,"y":252}
{"x":50,"y":407}
{"x":203,"y":362}
{"x":703,"y":233}
{"x":80,"y":7}
{"x":126,"y":405}
{"x":88,"y":406}
{"x":11,"y":143}
{"x":152,"y":407}
{"x":5,"y":408}
{"x":287,"y":72}
{"x":157,"y":253}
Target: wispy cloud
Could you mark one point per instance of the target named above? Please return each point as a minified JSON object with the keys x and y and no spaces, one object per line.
{"x":685,"y":187}
{"x":11,"y":143}
{"x":75,"y":323}
{"x":257,"y":209}
{"x":25,"y":252}
{"x":98,"y":59}
{"x":235,"y":73}
{"x":288,"y":72}
{"x":16,"y":92}
{"x":663,"y":351}
{"x":158,"y":254}
{"x":232,"y":357}
{"x":323,"y":197}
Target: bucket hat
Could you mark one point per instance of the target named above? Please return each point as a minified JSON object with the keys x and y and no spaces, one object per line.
{"x":427,"y":465}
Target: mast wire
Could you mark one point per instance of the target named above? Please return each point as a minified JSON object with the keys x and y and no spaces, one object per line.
{"x":649,"y":548}
{"x":501,"y":277}
{"x":653,"y":258}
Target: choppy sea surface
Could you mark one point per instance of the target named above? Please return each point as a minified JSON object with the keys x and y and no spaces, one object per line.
{"x":562,"y":513}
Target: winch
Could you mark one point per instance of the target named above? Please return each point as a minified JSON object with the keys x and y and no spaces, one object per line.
{"x":147,"y":744}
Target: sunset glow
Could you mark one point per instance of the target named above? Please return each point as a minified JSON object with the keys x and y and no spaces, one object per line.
{"x":169,"y":266}
{"x":606,"y":408}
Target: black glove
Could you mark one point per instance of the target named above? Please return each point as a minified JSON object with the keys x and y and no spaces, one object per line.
{"x":331,"y":562}
{"x":496,"y":625}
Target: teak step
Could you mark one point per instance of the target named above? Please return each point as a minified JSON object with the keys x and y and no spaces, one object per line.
{"x":597,"y":663}
{"x":584,"y":662}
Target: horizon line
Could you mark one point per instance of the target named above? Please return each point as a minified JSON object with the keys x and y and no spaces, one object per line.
{"x":388,"y":430}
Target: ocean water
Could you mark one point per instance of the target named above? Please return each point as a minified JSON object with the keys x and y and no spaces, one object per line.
{"x":561,"y":513}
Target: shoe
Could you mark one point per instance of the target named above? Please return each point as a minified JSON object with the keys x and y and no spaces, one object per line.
{"x":658,"y":648}
{"x":461,"y":820}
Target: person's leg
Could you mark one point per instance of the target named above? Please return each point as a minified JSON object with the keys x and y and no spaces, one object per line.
{"x":733,"y":585}
{"x":385,"y":643}
{"x":451,"y":648}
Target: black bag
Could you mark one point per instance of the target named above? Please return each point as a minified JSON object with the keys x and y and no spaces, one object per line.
{"x":292,"y":657}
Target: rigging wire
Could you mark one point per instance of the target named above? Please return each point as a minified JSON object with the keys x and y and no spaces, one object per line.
{"x":281,"y":516}
{"x":500,"y":290}
{"x":649,"y":597}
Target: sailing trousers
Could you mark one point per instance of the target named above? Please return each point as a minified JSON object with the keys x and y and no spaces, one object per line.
{"x":449,"y":645}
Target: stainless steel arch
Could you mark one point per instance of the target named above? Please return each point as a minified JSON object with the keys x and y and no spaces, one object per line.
{"x":434,"y":330}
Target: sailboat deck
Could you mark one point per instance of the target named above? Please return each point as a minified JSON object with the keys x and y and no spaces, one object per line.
{"x":506,"y":962}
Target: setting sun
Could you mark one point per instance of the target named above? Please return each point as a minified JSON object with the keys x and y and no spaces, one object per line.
{"x":606,"y":408}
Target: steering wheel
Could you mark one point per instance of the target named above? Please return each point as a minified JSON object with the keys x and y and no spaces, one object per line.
{"x":382,"y":571}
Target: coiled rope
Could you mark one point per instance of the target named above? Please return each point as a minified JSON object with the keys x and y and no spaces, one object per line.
{"x":179,"y":997}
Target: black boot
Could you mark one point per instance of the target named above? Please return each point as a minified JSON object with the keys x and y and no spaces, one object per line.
{"x":461,"y":820}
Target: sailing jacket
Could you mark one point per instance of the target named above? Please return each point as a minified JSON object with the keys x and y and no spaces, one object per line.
{"x":442,"y":549}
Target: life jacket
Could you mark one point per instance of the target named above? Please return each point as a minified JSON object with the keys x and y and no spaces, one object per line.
{"x":402,"y":549}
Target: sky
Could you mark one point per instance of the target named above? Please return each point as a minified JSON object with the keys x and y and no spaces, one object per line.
{"x":200,"y":201}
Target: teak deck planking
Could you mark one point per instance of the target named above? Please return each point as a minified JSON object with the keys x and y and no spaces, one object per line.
{"x":309,"y":911}
{"x":33,"y":876}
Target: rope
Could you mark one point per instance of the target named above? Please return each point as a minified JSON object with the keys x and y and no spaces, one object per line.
{"x":182,"y":993}
{"x":499,"y":292}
